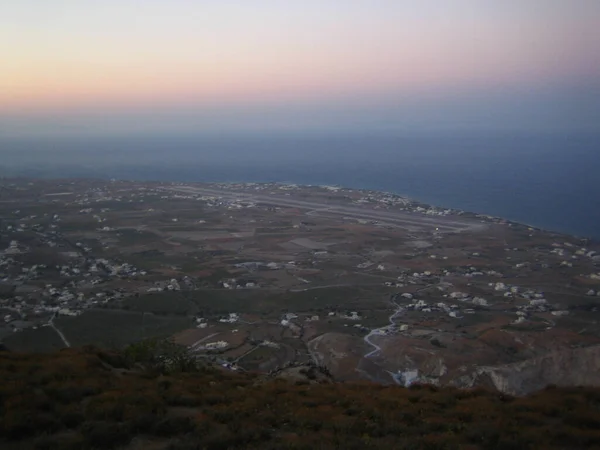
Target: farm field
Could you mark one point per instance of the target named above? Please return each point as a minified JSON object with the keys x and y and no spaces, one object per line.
{"x":264,"y":277}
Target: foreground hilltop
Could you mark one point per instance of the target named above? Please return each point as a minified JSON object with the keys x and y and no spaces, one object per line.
{"x":91,"y":398}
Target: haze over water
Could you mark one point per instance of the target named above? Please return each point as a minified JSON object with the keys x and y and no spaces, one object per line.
{"x":547,"y":181}
{"x":482,"y":105}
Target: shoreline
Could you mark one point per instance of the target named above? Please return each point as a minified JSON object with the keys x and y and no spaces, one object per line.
{"x":413,"y":200}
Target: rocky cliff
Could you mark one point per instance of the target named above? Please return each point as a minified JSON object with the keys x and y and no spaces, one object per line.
{"x":563,"y":367}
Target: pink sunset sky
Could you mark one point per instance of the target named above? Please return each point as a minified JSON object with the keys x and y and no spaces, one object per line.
{"x":218,"y":64}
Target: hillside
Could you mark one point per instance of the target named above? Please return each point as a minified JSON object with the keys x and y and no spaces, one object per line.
{"x":372,"y":285}
{"x":91,"y":398}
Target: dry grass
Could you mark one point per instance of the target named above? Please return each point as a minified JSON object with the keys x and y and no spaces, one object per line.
{"x":91,"y":399}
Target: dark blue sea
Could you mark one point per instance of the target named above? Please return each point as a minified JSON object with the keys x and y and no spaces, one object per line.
{"x":548,"y":181}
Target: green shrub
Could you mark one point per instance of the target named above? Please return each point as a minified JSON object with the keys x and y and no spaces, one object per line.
{"x":172,"y":426}
{"x":106,"y":434}
{"x":144,"y":423}
{"x":72,"y":419}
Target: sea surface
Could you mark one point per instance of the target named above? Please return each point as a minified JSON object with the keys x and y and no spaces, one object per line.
{"x":548,"y":181}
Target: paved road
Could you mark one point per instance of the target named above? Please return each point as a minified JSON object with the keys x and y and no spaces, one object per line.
{"x":328,"y":286}
{"x":60,"y":333}
{"x":379,"y":331}
{"x":194,"y":347}
{"x":400,"y":219}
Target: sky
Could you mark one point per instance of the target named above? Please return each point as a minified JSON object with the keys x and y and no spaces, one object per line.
{"x":84,"y":67}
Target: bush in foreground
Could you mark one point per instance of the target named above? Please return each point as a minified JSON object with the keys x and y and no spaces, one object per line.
{"x":78,"y":399}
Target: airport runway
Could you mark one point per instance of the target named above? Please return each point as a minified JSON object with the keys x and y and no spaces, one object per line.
{"x":402,"y":219}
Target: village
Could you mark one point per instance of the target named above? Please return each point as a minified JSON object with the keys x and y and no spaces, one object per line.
{"x":264,"y":276}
